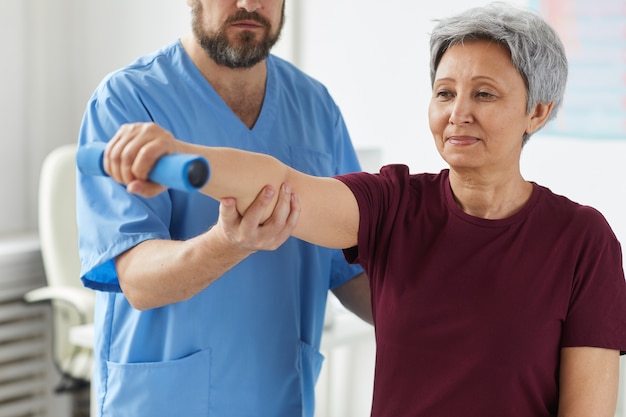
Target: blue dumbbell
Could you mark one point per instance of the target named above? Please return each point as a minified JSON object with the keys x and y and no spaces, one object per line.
{"x":178,"y":171}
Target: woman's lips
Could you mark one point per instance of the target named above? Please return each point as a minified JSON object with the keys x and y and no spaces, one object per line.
{"x":462,"y":140}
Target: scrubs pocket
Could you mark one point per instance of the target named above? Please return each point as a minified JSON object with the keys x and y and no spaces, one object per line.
{"x":310,"y":367}
{"x":172,"y":388}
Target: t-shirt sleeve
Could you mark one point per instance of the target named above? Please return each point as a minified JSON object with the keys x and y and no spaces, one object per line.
{"x":597,"y":306}
{"x":378,"y":198}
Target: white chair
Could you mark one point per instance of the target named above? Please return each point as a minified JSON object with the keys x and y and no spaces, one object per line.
{"x":72,"y":304}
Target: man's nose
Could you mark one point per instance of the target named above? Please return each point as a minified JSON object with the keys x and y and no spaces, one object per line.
{"x":249,"y":5}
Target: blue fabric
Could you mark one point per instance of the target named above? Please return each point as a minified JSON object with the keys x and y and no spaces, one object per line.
{"x":248,"y":345}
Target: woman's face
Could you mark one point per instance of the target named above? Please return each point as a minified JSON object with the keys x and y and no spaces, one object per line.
{"x":477,"y":112}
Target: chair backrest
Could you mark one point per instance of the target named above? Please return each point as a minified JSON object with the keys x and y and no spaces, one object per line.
{"x":58,"y":235}
{"x":58,"y":232}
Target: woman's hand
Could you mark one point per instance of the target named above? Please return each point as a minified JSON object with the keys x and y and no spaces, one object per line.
{"x":132,"y":153}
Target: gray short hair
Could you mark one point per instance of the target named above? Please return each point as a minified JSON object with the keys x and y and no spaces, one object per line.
{"x":536,"y":50}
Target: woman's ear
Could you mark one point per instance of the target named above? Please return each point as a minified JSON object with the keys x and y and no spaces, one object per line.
{"x":538,"y":116}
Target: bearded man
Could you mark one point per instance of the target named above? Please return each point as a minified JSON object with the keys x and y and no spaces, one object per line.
{"x":196,"y":313}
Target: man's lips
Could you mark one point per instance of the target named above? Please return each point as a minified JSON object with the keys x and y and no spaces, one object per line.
{"x":247,"y":24}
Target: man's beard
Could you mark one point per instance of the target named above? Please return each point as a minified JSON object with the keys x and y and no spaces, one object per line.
{"x":244,"y":52}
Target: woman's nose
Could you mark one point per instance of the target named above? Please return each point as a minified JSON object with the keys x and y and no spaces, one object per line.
{"x":461,"y":112}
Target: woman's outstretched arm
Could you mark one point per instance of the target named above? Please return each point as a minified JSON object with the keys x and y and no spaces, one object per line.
{"x":329,"y":214}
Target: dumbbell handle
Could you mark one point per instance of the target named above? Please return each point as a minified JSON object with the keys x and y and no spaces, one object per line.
{"x":178,"y":171}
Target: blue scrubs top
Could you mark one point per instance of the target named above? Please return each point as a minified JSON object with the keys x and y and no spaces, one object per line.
{"x":248,"y":345}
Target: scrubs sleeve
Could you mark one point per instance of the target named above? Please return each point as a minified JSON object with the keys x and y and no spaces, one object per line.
{"x":110,"y":220}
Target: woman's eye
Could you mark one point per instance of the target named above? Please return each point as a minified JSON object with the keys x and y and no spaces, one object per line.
{"x":484,"y":94}
{"x":444,"y":94}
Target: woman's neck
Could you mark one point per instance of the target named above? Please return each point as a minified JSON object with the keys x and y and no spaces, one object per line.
{"x":489,"y":197}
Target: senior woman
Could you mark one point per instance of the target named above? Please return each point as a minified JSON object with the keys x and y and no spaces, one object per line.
{"x":491,"y":294}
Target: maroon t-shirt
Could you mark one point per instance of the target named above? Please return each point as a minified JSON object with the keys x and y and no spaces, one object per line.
{"x":470,"y":313}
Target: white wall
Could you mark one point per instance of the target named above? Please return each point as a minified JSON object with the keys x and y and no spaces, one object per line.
{"x":373,"y":57}
{"x":60,"y":49}
{"x":54,"y":54}
{"x":587,"y":171}
{"x":12,"y":115}
{"x":374,"y":60}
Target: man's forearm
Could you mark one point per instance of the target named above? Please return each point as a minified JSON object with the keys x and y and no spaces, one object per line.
{"x":159,"y":272}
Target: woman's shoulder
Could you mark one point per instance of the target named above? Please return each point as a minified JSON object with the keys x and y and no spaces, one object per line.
{"x":394,"y":176}
{"x":401,"y":173}
{"x":578,"y":215}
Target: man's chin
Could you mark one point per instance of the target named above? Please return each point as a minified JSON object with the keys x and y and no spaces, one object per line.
{"x":237,"y":36}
